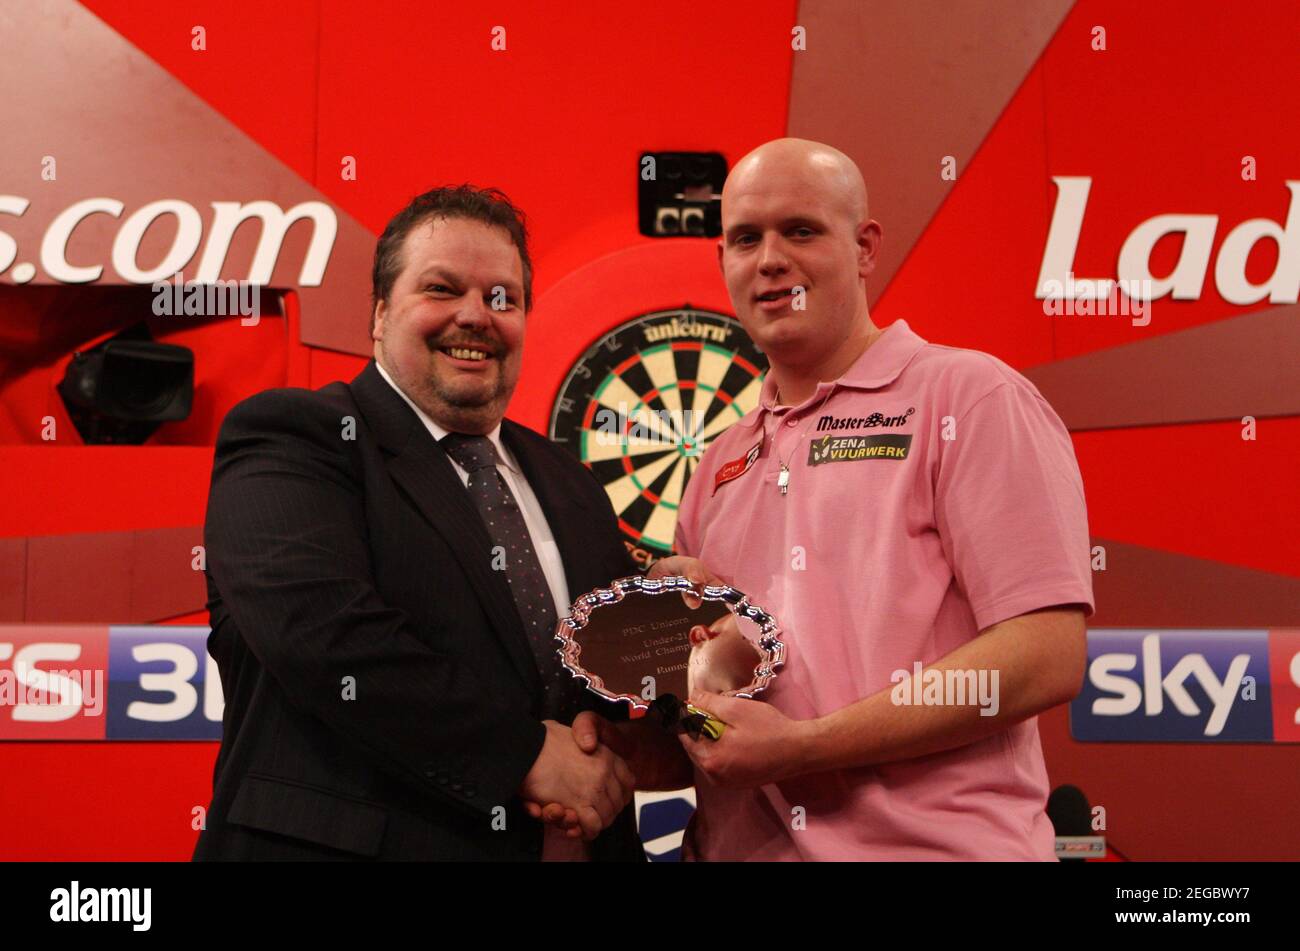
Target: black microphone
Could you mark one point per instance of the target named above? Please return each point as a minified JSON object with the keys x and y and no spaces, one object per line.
{"x":1071,"y":816}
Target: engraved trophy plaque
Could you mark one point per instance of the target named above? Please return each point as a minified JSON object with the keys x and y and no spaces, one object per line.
{"x":638,"y":642}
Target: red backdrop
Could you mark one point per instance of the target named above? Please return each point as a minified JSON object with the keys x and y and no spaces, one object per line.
{"x":1160,"y":120}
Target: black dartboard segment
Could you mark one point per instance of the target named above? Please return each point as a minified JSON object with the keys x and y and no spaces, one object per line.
{"x":643,"y":403}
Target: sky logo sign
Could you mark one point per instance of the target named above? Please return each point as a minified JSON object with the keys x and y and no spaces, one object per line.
{"x":1208,"y":686}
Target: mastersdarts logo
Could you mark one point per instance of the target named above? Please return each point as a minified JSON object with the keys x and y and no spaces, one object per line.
{"x":856,"y":448}
{"x":863,"y":422}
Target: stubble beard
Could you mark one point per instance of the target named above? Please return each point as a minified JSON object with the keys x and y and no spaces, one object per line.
{"x":467,"y":408}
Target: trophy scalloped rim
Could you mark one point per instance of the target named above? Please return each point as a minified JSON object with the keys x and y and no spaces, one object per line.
{"x":770,"y":644}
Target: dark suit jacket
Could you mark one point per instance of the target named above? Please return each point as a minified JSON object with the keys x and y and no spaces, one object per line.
{"x":343,"y":549}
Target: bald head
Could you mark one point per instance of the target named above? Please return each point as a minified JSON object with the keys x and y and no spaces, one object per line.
{"x":796,"y":249}
{"x":824,"y":175}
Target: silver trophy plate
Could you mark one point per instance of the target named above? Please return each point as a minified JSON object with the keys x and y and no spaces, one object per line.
{"x":638,"y":642}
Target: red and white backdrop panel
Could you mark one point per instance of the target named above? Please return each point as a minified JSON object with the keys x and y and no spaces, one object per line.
{"x":1182,"y":114}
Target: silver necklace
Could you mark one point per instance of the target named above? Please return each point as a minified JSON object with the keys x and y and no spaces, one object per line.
{"x":783,"y":479}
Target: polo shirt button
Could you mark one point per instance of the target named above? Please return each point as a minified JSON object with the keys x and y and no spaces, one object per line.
{"x":791,"y":422}
{"x":455,"y":787}
{"x":442,"y":780}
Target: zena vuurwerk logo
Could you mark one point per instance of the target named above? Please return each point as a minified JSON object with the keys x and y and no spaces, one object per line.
{"x":857,"y":448}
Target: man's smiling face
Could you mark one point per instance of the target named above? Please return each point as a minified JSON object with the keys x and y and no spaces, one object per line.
{"x":793,"y":217}
{"x":440,"y":334}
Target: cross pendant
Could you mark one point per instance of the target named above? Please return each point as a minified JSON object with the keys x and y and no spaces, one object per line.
{"x":783,"y":480}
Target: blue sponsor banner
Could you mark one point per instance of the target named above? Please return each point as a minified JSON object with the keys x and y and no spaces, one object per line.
{"x":1155,"y":686}
{"x":162,"y":684}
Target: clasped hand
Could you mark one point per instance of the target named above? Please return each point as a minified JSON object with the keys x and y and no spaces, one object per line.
{"x":578,"y":780}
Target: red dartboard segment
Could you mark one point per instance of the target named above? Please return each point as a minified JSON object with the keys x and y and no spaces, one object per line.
{"x":626,"y":364}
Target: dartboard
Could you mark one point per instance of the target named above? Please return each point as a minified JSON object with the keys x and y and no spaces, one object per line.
{"x":641,"y":405}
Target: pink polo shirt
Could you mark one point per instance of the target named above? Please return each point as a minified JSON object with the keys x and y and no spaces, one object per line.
{"x":933,"y":493}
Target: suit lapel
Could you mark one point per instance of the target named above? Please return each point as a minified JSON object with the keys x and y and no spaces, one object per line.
{"x":426,"y":475}
{"x":566,"y":513}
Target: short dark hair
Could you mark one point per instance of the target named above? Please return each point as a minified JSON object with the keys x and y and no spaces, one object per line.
{"x":487,"y":205}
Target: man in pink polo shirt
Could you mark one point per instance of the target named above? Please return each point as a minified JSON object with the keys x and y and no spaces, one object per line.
{"x":913,"y":516}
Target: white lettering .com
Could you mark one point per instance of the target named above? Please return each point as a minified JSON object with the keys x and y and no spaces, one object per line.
{"x":189,"y":240}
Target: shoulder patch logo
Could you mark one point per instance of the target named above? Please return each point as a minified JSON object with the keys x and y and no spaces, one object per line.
{"x":737,"y":467}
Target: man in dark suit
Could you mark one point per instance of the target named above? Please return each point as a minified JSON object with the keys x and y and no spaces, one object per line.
{"x":386,"y":560}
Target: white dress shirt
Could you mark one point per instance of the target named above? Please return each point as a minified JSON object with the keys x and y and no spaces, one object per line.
{"x":539,"y":530}
{"x":556,"y":847}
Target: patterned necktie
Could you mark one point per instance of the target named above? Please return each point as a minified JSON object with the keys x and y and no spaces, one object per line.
{"x":504,"y":521}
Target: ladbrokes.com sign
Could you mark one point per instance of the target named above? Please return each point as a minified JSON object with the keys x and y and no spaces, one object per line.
{"x":191,"y":239}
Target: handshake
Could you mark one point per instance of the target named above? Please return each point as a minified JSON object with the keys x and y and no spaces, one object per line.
{"x":579,"y":781}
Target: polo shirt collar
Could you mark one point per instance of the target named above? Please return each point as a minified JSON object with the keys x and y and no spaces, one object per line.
{"x":880,"y":364}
